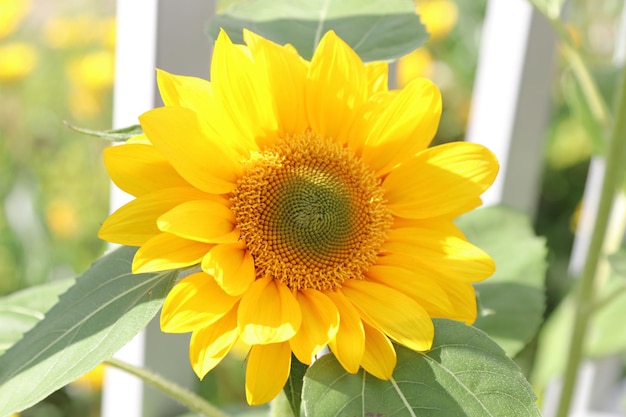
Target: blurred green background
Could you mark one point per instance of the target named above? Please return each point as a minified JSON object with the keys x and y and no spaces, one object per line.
{"x":57,"y":64}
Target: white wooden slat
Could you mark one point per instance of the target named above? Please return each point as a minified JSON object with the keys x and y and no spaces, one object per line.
{"x":135,"y":57}
{"x":169,"y":35}
{"x":511,"y":99}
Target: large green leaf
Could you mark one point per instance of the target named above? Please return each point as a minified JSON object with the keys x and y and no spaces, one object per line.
{"x":91,"y":321}
{"x":20,"y":311}
{"x":512,"y":301}
{"x":618,"y":262}
{"x":607,"y":335}
{"x":465,"y":374}
{"x":552,"y":342}
{"x":293,"y":387}
{"x":376,"y":29}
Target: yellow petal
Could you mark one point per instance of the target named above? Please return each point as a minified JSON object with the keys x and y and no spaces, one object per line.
{"x":320,"y":322}
{"x":140,"y":169}
{"x":267,"y":372}
{"x":443,"y":224}
{"x":336,"y":88}
{"x":460,"y":294}
{"x":136,"y":222}
{"x":197,"y":94}
{"x":445,"y":255}
{"x":348,"y":344}
{"x":140,"y":139}
{"x":419,"y":285}
{"x":232,"y":266}
{"x":268,"y":313}
{"x":241,"y":87}
{"x":392,"y":312}
{"x":377,"y":76}
{"x":463,"y":298}
{"x":209,"y":345}
{"x":166,"y":251}
{"x":286,"y":77}
{"x":208,"y":221}
{"x":371,"y":109}
{"x":183,"y":91}
{"x":404,"y":126}
{"x":209,"y":165}
{"x":379,"y":358}
{"x":445,"y":179}
{"x":195,"y":302}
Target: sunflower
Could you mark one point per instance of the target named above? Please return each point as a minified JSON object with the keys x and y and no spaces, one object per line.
{"x":304,"y":202}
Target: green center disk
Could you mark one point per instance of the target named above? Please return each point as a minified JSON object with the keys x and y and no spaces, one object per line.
{"x":312,"y":215}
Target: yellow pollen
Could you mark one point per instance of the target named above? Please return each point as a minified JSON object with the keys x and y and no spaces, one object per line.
{"x":310,"y":212}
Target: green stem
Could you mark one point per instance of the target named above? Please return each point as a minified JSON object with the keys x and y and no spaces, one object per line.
{"x":585,"y":295}
{"x":193,"y":401}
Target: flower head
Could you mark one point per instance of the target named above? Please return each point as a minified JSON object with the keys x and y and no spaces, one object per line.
{"x":307,"y":196}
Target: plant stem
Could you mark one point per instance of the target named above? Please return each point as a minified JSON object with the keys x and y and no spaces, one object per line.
{"x":193,"y":401}
{"x":585,"y":295}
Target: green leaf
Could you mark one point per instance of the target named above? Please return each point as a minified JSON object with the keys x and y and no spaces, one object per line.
{"x":376,"y":29}
{"x":465,"y":374}
{"x":552,"y":342}
{"x":21,"y":310}
{"x":115,"y":135}
{"x":91,"y":321}
{"x":512,"y":301}
{"x":618,"y":262}
{"x":293,"y":387}
{"x":607,"y":335}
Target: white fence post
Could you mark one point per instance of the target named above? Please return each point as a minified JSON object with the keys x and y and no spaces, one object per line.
{"x":511,"y":99}
{"x":169,"y":35}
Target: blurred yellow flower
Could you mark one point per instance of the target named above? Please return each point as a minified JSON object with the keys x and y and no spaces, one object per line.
{"x":62,"y":218}
{"x":92,"y":380}
{"x":439,"y":16}
{"x":11,"y":14}
{"x":67,"y":32}
{"x":94,"y":71}
{"x":84,"y":104}
{"x":90,"y":76}
{"x":17,"y":59}
{"x":418,"y":63}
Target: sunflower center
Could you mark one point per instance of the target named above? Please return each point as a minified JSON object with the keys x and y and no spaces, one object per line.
{"x":310,"y":212}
